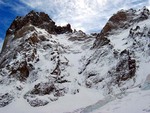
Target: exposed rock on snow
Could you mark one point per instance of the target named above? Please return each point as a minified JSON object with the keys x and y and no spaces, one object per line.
{"x":5,"y":99}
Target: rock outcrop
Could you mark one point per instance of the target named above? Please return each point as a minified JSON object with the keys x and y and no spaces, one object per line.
{"x":123,"y":19}
{"x":39,"y":19}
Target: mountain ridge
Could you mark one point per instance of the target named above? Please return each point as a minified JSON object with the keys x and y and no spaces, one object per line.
{"x":39,"y":19}
{"x":43,"y":64}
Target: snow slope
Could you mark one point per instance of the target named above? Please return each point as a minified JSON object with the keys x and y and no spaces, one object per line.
{"x":68,"y":49}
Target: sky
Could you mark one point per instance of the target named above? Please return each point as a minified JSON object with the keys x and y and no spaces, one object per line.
{"x":87,"y":15}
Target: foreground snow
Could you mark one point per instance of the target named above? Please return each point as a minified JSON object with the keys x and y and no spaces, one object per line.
{"x":64,"y":104}
{"x":89,"y":101}
{"x":134,"y":102}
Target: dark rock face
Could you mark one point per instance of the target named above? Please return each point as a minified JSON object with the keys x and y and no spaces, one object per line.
{"x":57,"y":70}
{"x":127,"y":67}
{"x":64,"y":29}
{"x":100,"y":41}
{"x":48,"y":88}
{"x":39,"y":19}
{"x":43,"y":89}
{"x":34,"y":18}
{"x":124,"y":70}
{"x":114,"y":22}
{"x":5,"y":99}
{"x":22,"y":71}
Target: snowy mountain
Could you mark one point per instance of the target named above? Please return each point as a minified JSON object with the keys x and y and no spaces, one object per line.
{"x":45,"y":68}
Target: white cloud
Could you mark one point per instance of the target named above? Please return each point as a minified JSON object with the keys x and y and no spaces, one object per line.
{"x":87,"y":15}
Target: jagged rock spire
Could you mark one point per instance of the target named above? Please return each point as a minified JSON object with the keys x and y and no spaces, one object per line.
{"x":38,"y":19}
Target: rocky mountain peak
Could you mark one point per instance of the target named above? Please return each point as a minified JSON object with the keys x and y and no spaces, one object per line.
{"x":39,"y":15}
{"x":34,"y":18}
{"x":38,"y":19}
{"x":123,"y":19}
